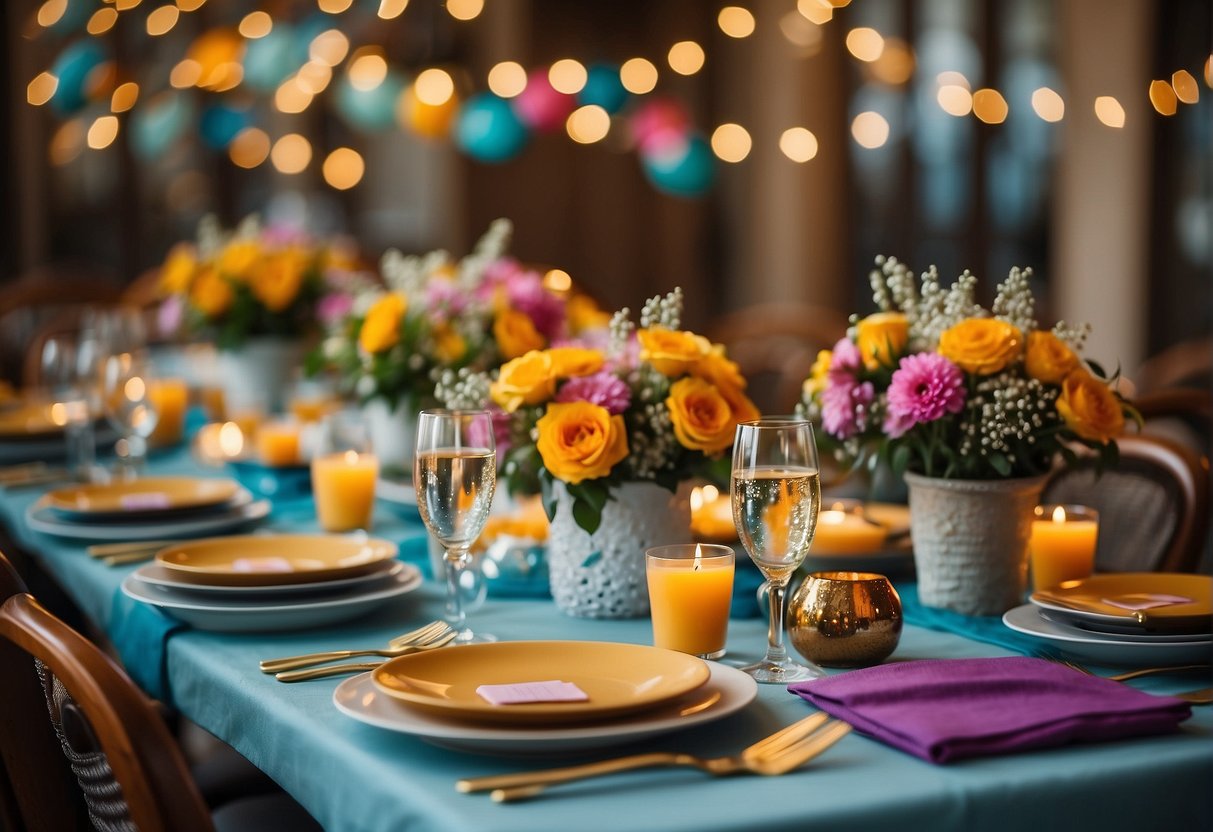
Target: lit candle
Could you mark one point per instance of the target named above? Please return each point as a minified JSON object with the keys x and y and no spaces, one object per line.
{"x":344,"y":487}
{"x":312,"y":409}
{"x":212,"y":401}
{"x":712,"y":515}
{"x":278,"y":443}
{"x":841,"y":532}
{"x":170,"y":398}
{"x":1062,"y":545}
{"x":690,"y":590}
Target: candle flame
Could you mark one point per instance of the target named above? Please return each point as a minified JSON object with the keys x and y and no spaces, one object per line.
{"x":698,"y":564}
{"x":231,"y":439}
{"x":833,"y":517}
{"x":696,"y":499}
{"x":1059,"y":515}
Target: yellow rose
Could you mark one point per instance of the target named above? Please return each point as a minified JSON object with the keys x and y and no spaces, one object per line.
{"x":1048,"y":358}
{"x":178,"y":270}
{"x":705,"y":416}
{"x":449,"y":345}
{"x":527,"y":379}
{"x":981,"y":345}
{"x":881,"y":338}
{"x":237,"y":259}
{"x":672,"y":353}
{"x":580,"y":441}
{"x":719,"y":370}
{"x":211,"y":294}
{"x":516,"y":334}
{"x":583,"y":314}
{"x":816,"y":382}
{"x":1089,"y":407}
{"x":276,"y":282}
{"x":571,"y":362}
{"x":381,"y":328}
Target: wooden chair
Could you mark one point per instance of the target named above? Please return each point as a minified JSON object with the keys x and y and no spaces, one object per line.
{"x":1184,"y":414}
{"x":1153,"y":506}
{"x":104,"y":751}
{"x":1186,"y":364}
{"x":775,"y":344}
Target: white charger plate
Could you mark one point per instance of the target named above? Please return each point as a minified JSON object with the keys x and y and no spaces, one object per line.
{"x":1106,"y":649}
{"x":727,"y":691}
{"x":42,"y":518}
{"x":1147,"y":638}
{"x":235,"y":615}
{"x":153,"y":574}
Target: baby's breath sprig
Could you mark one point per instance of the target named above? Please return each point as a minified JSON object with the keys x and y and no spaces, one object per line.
{"x":620,"y":329}
{"x":462,"y":389}
{"x":1014,"y":303}
{"x":1075,"y":335}
{"x":665,"y":311}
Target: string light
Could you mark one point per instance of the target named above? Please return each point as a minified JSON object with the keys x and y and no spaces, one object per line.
{"x":343,"y":168}
{"x":464,"y":9}
{"x":250,"y":148}
{"x":291,"y":154}
{"x":1109,"y":111}
{"x":870,"y":129}
{"x":567,"y":76}
{"x":686,"y":57}
{"x":256,"y":25}
{"x":736,"y":22}
{"x":638,"y":76}
{"x":1163,"y":98}
{"x":162,"y":20}
{"x":40,"y":90}
{"x":798,"y":144}
{"x":1048,"y":104}
{"x":507,"y":79}
{"x":731,"y":142}
{"x":588,"y":124}
{"x":103,"y":132}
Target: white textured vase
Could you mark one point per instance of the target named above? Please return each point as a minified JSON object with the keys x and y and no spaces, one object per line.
{"x":971,"y":541}
{"x":602,"y":575}
{"x":393,"y":432}
{"x":255,"y":375}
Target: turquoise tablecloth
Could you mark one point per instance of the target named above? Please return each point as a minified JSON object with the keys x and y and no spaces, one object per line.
{"x":355,"y":777}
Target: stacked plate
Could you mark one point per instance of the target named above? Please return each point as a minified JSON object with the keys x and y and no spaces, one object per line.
{"x":633,"y":692}
{"x":266,"y":583}
{"x":146,"y":509}
{"x":1129,"y":619}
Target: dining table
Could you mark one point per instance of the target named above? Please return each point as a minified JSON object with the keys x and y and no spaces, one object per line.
{"x":355,"y":777}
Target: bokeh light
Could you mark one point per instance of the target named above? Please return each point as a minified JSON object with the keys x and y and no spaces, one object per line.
{"x":256,"y":25}
{"x":389,"y":9}
{"x":314,"y":77}
{"x":334,"y":6}
{"x":736,"y":22}
{"x":1163,"y":98}
{"x":816,"y":11}
{"x":190,"y":5}
{"x":162,"y":20}
{"x":567,"y":76}
{"x":686,"y":57}
{"x":102,"y":21}
{"x":185,"y":74}
{"x":103,"y":132}
{"x":870,"y":130}
{"x":50,"y":12}
{"x":865,"y":44}
{"x":124,"y":97}
{"x":955,"y":100}
{"x":989,"y":106}
{"x":291,"y":153}
{"x":67,"y":142}
{"x":588,"y":124}
{"x":638,"y":76}
{"x":1185,"y":87}
{"x":557,"y":280}
{"x":1109,"y":111}
{"x":1048,"y":104}
{"x":329,"y":47}
{"x":798,"y":144}
{"x":507,"y":79}
{"x":731,"y":142}
{"x":464,"y":9}
{"x":40,"y":90}
{"x":292,"y":97}
{"x":367,"y":70}
{"x":434,"y":87}
{"x":249,"y":148}
{"x":954,"y":78}
{"x":343,"y":168}
{"x":895,"y":64}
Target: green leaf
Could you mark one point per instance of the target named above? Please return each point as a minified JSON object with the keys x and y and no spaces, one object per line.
{"x":592,"y":492}
{"x":547,"y":491}
{"x":591,"y":559}
{"x":1097,"y":368}
{"x":586,"y":516}
{"x":1000,"y":464}
{"x":900,"y":459}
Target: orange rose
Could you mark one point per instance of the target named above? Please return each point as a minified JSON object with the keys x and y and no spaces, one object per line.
{"x":449,"y":345}
{"x":178,"y":270}
{"x":719,"y":370}
{"x":571,"y":362}
{"x":276,"y":282}
{"x":816,"y":382}
{"x":516,"y":334}
{"x":237,"y":259}
{"x":1090,"y":408}
{"x":672,"y":353}
{"x":527,"y":379}
{"x":881,"y":338}
{"x":705,"y":416}
{"x":211,"y":294}
{"x":580,"y":441}
{"x":381,"y":328}
{"x":1048,"y":358}
{"x":981,"y":345}
{"x":583,"y":314}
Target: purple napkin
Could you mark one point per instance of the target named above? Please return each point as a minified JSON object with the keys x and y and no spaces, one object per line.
{"x":948,"y":709}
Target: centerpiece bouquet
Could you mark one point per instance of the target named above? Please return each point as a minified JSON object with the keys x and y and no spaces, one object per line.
{"x":603,"y":431}
{"x":964,"y":400}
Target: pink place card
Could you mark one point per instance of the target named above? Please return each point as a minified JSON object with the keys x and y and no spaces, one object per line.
{"x":144,"y":500}
{"x":1145,"y":601}
{"x":523,"y":693}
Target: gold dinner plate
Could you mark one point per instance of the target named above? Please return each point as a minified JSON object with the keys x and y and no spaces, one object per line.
{"x":893,"y":516}
{"x":273,"y":560}
{"x":618,"y":679}
{"x":1086,"y":601}
{"x":150,"y":495}
{"x":28,"y":420}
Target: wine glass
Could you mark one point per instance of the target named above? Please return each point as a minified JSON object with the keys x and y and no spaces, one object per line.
{"x":455,"y":473}
{"x":126,"y":393}
{"x":776,"y":496}
{"x":67,"y":391}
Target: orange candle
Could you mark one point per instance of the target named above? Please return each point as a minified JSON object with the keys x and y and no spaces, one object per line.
{"x":1062,"y":545}
{"x":712,"y":515}
{"x":312,"y":409}
{"x":278,"y":443}
{"x":846,"y":533}
{"x":344,"y":488}
{"x":690,"y":591}
{"x":212,"y":401}
{"x":170,"y":398}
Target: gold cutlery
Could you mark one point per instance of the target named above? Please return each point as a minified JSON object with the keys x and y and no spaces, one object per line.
{"x":1201,"y":696}
{"x":334,"y":669}
{"x":108,"y":550}
{"x":777,"y":754}
{"x":422,"y":636}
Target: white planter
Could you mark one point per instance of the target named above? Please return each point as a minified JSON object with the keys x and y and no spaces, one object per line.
{"x":971,"y":541}
{"x":255,"y":375}
{"x":393,"y":432}
{"x":602,"y":575}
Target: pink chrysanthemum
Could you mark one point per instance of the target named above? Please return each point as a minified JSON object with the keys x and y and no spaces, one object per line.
{"x":924,"y":387}
{"x":526,"y":293}
{"x":170,"y":315}
{"x":844,"y":359}
{"x":444,"y":299}
{"x":844,"y":407}
{"x":603,"y":389}
{"x":332,"y":308}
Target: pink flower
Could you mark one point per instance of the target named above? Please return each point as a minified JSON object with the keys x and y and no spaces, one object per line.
{"x":502,"y":430}
{"x":924,"y":387}
{"x":604,"y":389}
{"x":525,"y":292}
{"x":844,"y":359}
{"x":332,"y":308}
{"x":844,"y":405}
{"x":445,"y":299}
{"x":170,"y":315}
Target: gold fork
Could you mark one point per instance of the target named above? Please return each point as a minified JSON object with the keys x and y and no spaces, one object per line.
{"x":1203,"y":696}
{"x":422,"y":635}
{"x":360,"y":667}
{"x":779,"y":753}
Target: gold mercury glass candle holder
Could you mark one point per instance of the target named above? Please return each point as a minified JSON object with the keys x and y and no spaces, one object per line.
{"x":845,"y":619}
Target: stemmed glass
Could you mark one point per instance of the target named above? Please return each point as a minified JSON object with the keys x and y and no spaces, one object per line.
{"x":125,"y":391}
{"x":776,"y":496}
{"x":455,"y":473}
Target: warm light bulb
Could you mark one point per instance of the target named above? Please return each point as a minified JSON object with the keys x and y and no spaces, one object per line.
{"x":1109,"y":112}
{"x":1048,"y":104}
{"x":736,"y":22}
{"x":798,"y":144}
{"x":507,"y":79}
{"x":434,"y":87}
{"x":638,"y":76}
{"x":256,"y":25}
{"x":291,"y":153}
{"x":731,"y":142}
{"x":870,"y":130}
{"x":567,"y":76}
{"x":343,"y":168}
{"x":686,"y":57}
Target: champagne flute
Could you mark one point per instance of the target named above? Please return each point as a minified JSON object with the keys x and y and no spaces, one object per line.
{"x":455,"y":473}
{"x":776,"y":496}
{"x":125,"y":390}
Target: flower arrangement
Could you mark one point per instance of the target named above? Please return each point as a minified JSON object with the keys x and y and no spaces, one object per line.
{"x":431,"y":313}
{"x":938,"y":385}
{"x":657,"y":404}
{"x":248,"y":282}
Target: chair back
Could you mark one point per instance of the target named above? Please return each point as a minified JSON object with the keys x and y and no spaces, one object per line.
{"x":1184,"y":414}
{"x":775,"y":344}
{"x":80,"y":744}
{"x":1153,"y":506}
{"x":1186,"y":364}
